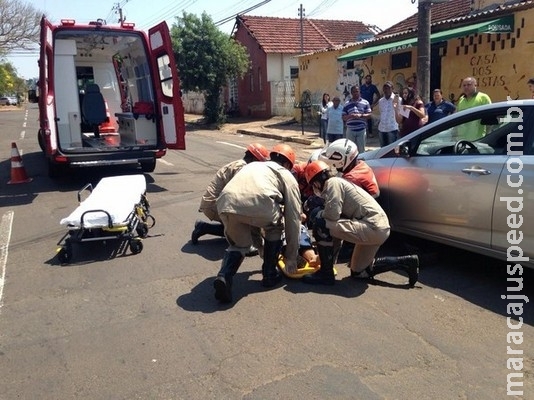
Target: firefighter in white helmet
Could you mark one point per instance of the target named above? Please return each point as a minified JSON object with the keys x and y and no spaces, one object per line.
{"x":342,"y":154}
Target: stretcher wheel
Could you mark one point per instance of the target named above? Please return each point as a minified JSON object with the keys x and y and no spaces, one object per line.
{"x":136,"y":246}
{"x":152,"y":221}
{"x":142,"y":230}
{"x":64,"y":255}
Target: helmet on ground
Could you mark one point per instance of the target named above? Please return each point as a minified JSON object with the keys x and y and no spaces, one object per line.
{"x":340,"y":153}
{"x":259,"y":151}
{"x":315,"y":169}
{"x":284,"y":150}
{"x":315,"y":155}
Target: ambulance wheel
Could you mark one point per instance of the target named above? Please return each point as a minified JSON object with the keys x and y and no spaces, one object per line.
{"x":142,"y":230}
{"x":148,"y":166}
{"x":136,"y":246}
{"x":64,"y":255}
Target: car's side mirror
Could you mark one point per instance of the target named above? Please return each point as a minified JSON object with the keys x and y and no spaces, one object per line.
{"x":403,"y":149}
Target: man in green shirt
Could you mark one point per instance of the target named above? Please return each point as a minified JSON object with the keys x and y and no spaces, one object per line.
{"x":471,"y":97}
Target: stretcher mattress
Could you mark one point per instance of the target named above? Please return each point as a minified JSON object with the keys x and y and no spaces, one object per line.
{"x":117,"y":195}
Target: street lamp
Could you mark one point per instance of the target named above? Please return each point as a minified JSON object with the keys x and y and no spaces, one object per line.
{"x":423,"y":46}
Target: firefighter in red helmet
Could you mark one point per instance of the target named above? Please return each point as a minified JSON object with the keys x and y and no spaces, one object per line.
{"x":350,"y":214}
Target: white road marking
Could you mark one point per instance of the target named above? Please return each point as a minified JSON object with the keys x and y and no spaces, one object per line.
{"x":5,"y":236}
{"x":233,"y":145}
{"x":161,"y":160}
{"x":22,"y":134}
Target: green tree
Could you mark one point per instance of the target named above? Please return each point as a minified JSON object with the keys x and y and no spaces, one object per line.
{"x":207,"y":58}
{"x":19,"y":26}
{"x":10,"y":83}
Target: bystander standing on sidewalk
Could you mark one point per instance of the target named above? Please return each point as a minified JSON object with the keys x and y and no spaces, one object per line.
{"x":325,"y":104}
{"x":370,"y":92}
{"x":334,"y":130}
{"x":388,"y":128}
{"x":412,"y":114}
{"x":438,"y":107}
{"x":471,"y":97}
{"x":355,"y":114}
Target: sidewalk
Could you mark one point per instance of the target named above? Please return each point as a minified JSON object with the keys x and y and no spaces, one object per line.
{"x":281,"y":128}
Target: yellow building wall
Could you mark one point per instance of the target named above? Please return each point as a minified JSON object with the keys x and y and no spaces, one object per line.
{"x":317,"y":75}
{"x":501,"y":63}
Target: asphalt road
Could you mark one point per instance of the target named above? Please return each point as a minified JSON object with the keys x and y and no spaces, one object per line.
{"x":146,"y":326}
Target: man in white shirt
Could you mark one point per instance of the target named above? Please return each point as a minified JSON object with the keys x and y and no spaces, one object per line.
{"x":388,"y":128}
{"x":334,"y":128}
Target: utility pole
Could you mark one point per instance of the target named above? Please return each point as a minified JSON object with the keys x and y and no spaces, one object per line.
{"x":301,"y":15}
{"x":424,"y":21}
{"x":118,"y":9}
{"x":423,"y":49}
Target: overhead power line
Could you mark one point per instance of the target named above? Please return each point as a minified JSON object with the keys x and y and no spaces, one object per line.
{"x":228,"y":19}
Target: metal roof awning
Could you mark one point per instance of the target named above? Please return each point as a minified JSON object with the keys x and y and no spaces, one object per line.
{"x":500,"y":25}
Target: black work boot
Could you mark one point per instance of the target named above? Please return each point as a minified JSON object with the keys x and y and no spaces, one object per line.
{"x":271,"y":276}
{"x":223,"y":283}
{"x":206,"y":228}
{"x":325,"y":275}
{"x":408,"y":264}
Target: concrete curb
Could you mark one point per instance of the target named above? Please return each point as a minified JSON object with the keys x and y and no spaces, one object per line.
{"x":318,"y":143}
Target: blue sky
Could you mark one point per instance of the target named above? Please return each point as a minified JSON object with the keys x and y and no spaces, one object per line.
{"x":146,"y":13}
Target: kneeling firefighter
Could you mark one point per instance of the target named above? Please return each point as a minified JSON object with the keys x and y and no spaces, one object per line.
{"x":208,"y":203}
{"x":350,"y":214}
{"x":263,"y":195}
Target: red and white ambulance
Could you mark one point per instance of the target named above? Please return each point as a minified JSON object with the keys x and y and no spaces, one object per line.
{"x":108,"y":95}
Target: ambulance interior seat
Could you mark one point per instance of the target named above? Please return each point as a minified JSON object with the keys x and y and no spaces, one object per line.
{"x":93,"y":108}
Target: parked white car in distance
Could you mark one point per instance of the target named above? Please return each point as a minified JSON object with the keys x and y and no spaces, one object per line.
{"x":8,"y":101}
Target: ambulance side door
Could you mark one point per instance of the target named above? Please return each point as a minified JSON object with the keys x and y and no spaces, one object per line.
{"x":167,"y":85}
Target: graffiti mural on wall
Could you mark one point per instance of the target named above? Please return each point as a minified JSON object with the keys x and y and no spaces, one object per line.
{"x":497,"y":75}
{"x":402,"y":80}
{"x":348,"y":78}
{"x":355,"y":76}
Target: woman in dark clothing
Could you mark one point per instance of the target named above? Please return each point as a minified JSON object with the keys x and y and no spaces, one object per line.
{"x":411,"y":115}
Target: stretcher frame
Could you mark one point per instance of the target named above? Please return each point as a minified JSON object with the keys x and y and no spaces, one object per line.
{"x":132,"y":230}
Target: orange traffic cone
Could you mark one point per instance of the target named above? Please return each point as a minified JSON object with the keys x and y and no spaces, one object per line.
{"x":107,"y":126}
{"x":18,"y":172}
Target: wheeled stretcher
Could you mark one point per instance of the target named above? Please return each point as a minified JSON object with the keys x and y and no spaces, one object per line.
{"x":117,"y":208}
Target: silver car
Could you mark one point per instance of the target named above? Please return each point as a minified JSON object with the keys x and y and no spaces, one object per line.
{"x":8,"y":101}
{"x":466,"y":180}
